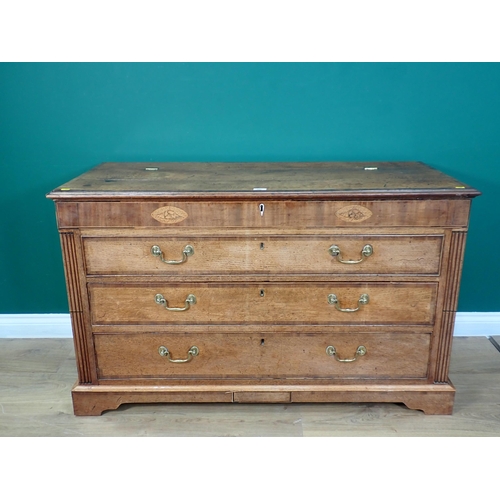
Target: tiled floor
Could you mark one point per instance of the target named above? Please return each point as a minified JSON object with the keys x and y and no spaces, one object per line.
{"x":36,"y":376}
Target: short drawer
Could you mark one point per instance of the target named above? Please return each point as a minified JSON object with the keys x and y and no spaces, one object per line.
{"x":288,"y":303}
{"x":218,"y":356}
{"x":195,"y":255}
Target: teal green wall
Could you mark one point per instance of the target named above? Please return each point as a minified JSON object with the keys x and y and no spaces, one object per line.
{"x":58,"y":120}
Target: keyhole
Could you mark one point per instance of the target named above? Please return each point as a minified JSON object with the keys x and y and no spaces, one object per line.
{"x":262,"y":246}
{"x":261,"y":208}
{"x":262,"y":292}
{"x":261,"y":341}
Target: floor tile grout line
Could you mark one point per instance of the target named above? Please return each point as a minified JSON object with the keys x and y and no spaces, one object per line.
{"x":495,"y":343}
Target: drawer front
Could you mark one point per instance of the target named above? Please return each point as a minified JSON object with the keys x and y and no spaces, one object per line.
{"x":372,"y":254}
{"x":401,"y":355}
{"x":262,"y":214}
{"x":307,"y":303}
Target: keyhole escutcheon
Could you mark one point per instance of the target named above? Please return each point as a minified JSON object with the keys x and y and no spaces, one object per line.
{"x":261,"y":209}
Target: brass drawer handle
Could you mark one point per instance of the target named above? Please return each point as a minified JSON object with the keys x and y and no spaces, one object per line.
{"x":187,"y":252}
{"x":193,"y":351}
{"x":360,"y":351}
{"x":363,"y":300}
{"x":334,"y":250}
{"x":160,"y":300}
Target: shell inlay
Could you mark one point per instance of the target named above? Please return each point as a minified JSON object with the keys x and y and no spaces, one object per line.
{"x":354,"y":213}
{"x":169,"y":215}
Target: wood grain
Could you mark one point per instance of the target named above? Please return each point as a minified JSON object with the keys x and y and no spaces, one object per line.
{"x":452,"y":287}
{"x":262,"y":276}
{"x":262,"y":397}
{"x":403,"y":255}
{"x":402,"y":355}
{"x":397,"y":303}
{"x":132,"y":179}
{"x":432,"y":400}
{"x":297,"y":214}
{"x":71,"y":251}
{"x":438,"y":402}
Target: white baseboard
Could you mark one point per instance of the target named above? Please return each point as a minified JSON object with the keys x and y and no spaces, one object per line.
{"x":473,"y":324}
{"x":35,"y":326}
{"x":31,"y":326}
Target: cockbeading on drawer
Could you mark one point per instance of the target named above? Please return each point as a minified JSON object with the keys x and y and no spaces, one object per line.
{"x":261,"y":355}
{"x":265,"y":303}
{"x":189,"y":255}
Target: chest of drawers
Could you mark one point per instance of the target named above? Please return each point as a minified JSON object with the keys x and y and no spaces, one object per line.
{"x":263,"y":282}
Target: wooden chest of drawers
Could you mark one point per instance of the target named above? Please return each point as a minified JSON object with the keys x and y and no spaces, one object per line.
{"x":263,"y":282}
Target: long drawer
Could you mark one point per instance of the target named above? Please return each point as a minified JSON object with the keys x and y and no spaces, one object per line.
{"x":339,"y":254}
{"x":369,"y":355}
{"x":288,"y":303}
{"x":261,"y":213}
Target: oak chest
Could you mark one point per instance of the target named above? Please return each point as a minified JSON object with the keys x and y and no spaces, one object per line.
{"x":263,"y":282}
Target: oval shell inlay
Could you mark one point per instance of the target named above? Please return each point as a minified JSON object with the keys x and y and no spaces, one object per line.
{"x":354,"y":213}
{"x":169,"y":215}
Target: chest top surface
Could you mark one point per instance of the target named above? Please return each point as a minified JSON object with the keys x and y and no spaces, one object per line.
{"x":304,"y":179}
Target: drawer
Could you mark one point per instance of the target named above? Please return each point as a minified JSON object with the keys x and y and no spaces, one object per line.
{"x":129,"y":356}
{"x":288,"y":303}
{"x":381,"y":255}
{"x":260,"y":213}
